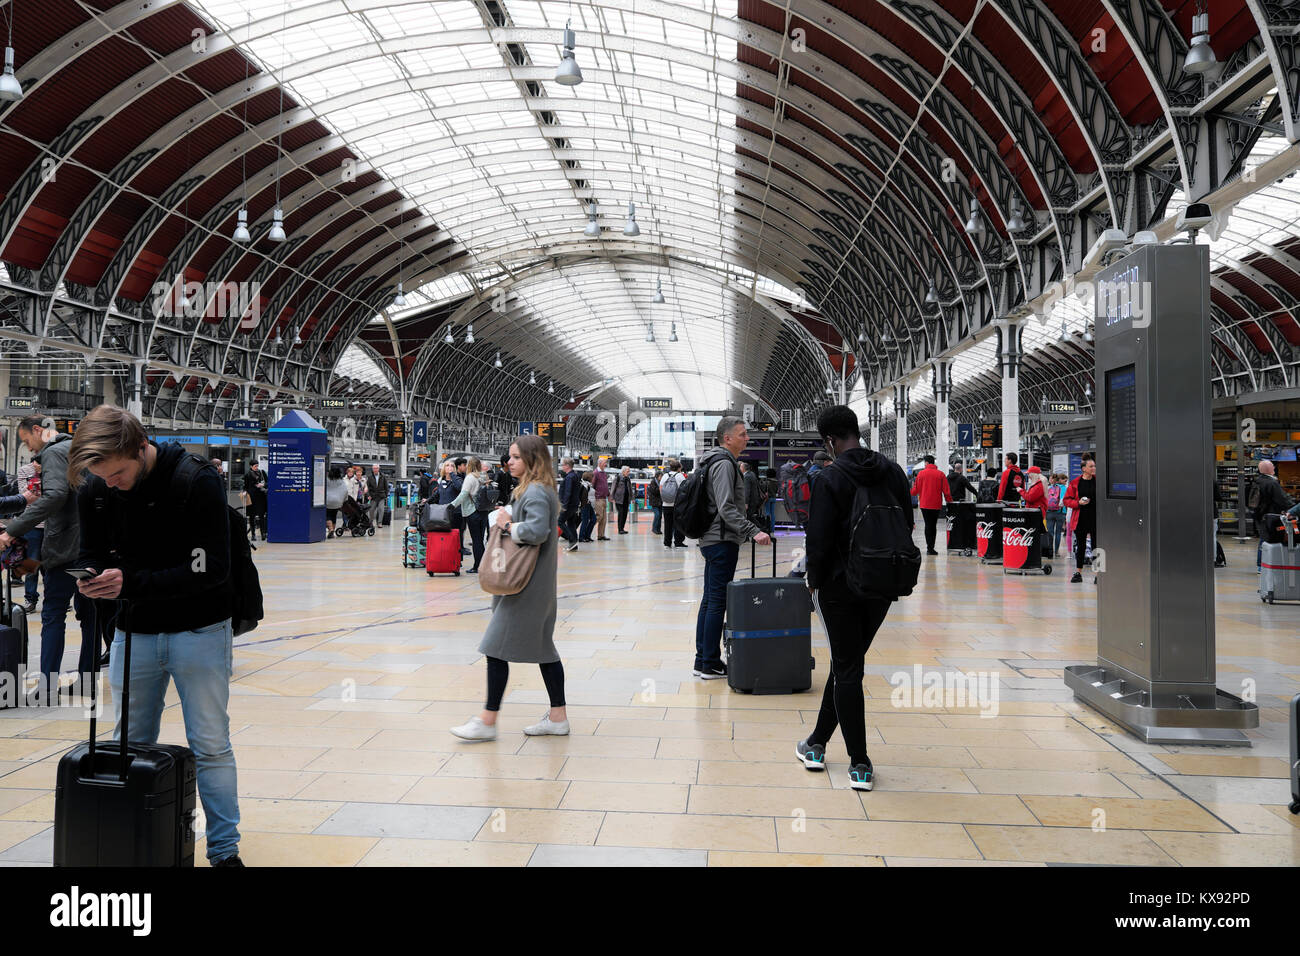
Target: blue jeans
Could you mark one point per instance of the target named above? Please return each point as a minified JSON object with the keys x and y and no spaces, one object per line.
{"x":60,"y":591}
{"x":201,"y":662}
{"x":33,"y":539}
{"x":719,"y":569}
{"x":1056,"y":528}
{"x":657,"y":527}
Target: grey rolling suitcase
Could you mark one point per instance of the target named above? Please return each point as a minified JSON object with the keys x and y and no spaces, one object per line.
{"x":1279,"y":565}
{"x":769,"y":633}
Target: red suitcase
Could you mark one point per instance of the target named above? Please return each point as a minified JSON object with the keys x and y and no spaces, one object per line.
{"x":442,"y":553}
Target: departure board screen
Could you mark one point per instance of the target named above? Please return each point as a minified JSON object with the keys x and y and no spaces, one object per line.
{"x":1121,"y":432}
{"x":390,"y":432}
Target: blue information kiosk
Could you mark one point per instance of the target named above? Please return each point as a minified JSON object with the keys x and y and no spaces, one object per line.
{"x":298,"y":448}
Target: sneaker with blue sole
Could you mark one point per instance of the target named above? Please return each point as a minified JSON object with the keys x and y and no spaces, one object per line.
{"x":813,"y":756}
{"x":861,"y":776}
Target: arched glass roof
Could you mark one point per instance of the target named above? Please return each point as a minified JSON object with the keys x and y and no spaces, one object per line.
{"x":465,"y":117}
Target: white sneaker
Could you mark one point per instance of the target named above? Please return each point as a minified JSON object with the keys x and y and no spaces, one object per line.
{"x":475,"y":729}
{"x":547,"y":726}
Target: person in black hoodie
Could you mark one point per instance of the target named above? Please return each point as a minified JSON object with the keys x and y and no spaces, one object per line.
{"x":960,"y":485}
{"x":155,"y":526}
{"x":851,"y":623}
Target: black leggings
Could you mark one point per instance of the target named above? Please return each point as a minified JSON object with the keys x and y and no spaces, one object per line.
{"x":477,"y":524}
{"x":499,"y":673}
{"x":851,"y":625}
{"x":1080,"y":544}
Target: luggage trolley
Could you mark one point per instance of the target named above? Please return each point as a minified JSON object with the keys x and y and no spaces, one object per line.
{"x":1279,"y":560}
{"x":1022,"y":542}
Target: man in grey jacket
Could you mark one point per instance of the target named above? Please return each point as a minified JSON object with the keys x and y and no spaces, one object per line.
{"x":721,"y":543}
{"x":57,"y":507}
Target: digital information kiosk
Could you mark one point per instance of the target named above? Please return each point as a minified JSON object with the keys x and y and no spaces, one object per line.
{"x":1155,"y":670}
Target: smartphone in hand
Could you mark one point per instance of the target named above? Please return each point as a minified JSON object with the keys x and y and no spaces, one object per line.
{"x":82,"y":574}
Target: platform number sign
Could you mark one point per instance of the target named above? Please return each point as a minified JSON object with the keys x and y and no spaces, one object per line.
{"x":965,"y":436}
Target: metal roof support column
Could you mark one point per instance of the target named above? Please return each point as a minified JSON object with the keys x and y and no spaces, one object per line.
{"x":1010,"y":335}
{"x":901,"y":404}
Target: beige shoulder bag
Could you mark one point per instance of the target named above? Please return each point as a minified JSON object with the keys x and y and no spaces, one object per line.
{"x":507,"y":565}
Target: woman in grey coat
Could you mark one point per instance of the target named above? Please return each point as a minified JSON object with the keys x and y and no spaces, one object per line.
{"x":523,"y":625}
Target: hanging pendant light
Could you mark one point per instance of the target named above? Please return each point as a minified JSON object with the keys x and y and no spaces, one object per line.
{"x":1200,"y":56}
{"x":297,"y":339}
{"x":277,"y":226}
{"x":1064,"y":334}
{"x":241,"y":233}
{"x":672,"y":337}
{"x":568,"y":72}
{"x":183,"y":304}
{"x":497,"y":361}
{"x":659,"y":292}
{"x":550,"y":387}
{"x":276,"y":340}
{"x":932,"y":294}
{"x":630,"y":228}
{"x":862,"y":336}
{"x":399,"y":300}
{"x":593,"y":224}
{"x":1088,"y":336}
{"x":649,"y":333}
{"x":10,"y":89}
{"x":1016,"y":222}
{"x":975,"y":224}
{"x":469,"y":334}
{"x":572,"y":398}
{"x":532,"y":378}
{"x":448,"y":338}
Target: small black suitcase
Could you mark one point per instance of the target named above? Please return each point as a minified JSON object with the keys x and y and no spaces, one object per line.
{"x":128,"y":805}
{"x":13,"y":647}
{"x":769,"y":633}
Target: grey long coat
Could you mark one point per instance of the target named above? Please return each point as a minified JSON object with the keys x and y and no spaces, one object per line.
{"x":522,"y":628}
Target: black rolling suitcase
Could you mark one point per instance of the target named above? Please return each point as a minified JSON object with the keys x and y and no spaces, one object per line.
{"x":768,"y":636}
{"x":13,"y":647}
{"x":1295,"y":754}
{"x":125,"y":805}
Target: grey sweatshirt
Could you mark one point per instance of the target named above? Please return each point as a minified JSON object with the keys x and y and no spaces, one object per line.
{"x":727,"y":499}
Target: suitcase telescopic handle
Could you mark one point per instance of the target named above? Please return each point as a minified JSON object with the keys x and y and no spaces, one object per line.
{"x":753,"y":557}
{"x":126,"y":689}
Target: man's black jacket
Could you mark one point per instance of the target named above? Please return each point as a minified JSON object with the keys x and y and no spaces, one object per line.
{"x":171,"y":541}
{"x":830,"y":509}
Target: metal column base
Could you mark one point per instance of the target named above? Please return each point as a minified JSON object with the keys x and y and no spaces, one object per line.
{"x":1127,"y":704}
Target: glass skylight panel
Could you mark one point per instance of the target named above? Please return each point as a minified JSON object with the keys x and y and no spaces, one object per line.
{"x":354,"y":363}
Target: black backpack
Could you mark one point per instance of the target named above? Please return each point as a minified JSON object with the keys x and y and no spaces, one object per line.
{"x":882,"y":562}
{"x":988,"y":491}
{"x":245,"y":586}
{"x":486,"y":498}
{"x":693,"y":512}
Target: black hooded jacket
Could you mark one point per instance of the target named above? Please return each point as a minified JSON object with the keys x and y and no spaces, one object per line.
{"x":171,"y":542}
{"x":830,"y":509}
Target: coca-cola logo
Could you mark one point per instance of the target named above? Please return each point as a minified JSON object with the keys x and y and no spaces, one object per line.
{"x":984,"y":529}
{"x":1017,"y":537}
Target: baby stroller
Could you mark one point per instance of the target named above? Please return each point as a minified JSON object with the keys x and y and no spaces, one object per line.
{"x":354,"y":519}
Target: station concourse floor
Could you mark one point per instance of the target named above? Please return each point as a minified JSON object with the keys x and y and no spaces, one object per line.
{"x":342,"y":698}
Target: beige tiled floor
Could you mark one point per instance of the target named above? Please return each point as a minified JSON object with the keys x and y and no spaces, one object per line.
{"x":342,"y":698}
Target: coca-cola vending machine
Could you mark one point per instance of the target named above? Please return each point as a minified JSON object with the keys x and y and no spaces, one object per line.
{"x":1022,"y":542}
{"x":988,"y":532}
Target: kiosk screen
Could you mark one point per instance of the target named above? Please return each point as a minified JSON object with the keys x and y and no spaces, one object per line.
{"x":1121,"y":432}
